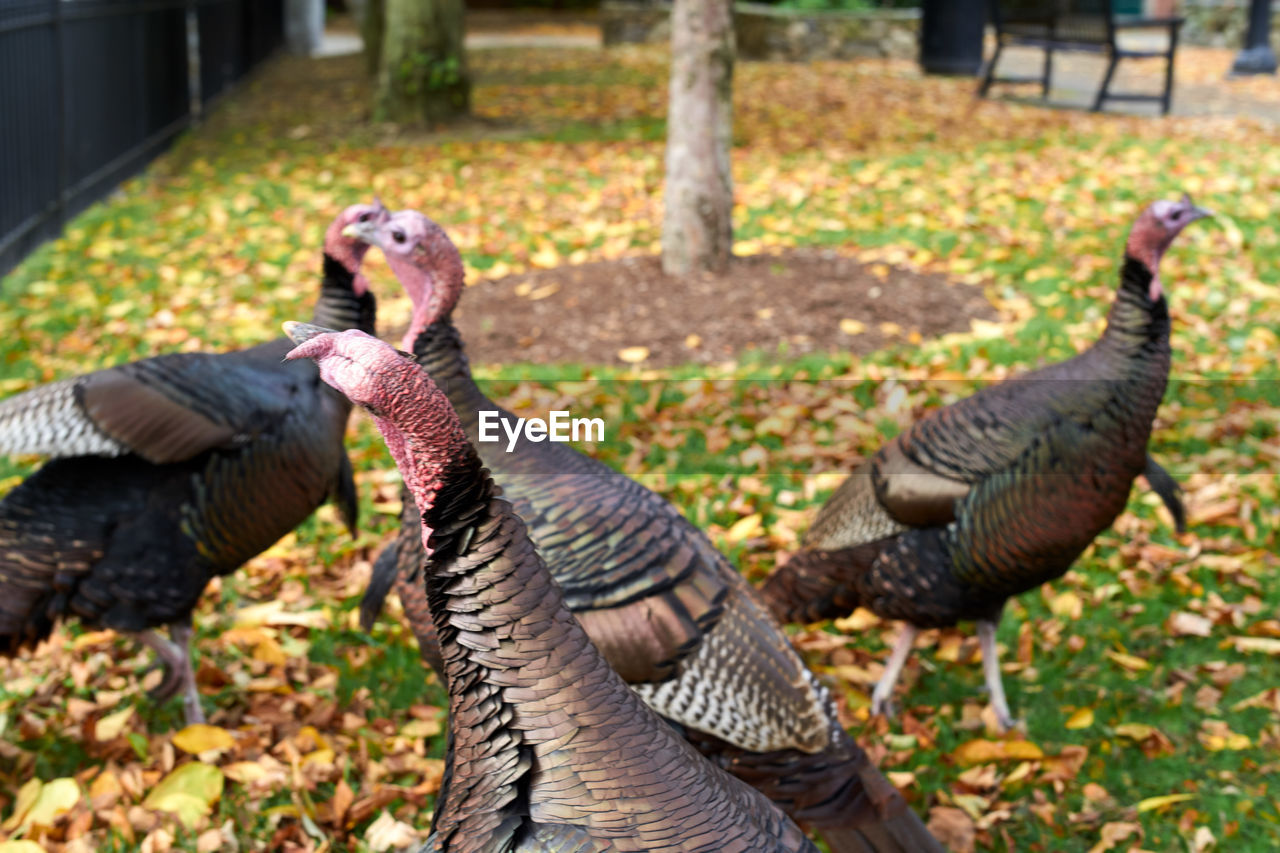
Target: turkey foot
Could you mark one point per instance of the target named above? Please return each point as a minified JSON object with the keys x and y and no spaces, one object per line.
{"x":991,"y":670}
{"x":175,"y":660}
{"x":882,"y":696}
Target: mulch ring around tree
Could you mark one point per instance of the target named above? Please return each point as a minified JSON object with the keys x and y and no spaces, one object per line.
{"x":628,"y":310}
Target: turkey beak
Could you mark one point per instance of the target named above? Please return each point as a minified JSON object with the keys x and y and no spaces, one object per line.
{"x":300,"y":333}
{"x":366,"y":232}
{"x":1195,"y":212}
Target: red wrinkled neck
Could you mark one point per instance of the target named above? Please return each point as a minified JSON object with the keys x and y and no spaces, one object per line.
{"x":433,"y":276}
{"x":422,"y":432}
{"x":1148,"y":240}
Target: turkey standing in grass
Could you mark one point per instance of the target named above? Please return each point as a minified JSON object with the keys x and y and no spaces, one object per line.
{"x":550,"y":751}
{"x":170,"y":471}
{"x":664,"y":607}
{"x":1000,"y":492}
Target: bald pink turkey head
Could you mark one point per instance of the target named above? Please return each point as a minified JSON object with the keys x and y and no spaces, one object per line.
{"x":349,"y":250}
{"x":1155,"y":231}
{"x":427,"y":265}
{"x":414,"y":416}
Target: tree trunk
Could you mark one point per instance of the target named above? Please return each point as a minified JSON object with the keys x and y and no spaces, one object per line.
{"x":423,"y":74}
{"x":372,"y":26}
{"x":697,"y":226}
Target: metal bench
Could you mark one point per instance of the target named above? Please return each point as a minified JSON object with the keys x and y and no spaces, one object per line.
{"x":1077,"y":25}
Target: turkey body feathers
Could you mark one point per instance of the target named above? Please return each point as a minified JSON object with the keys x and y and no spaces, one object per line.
{"x":166,"y":472}
{"x":648,"y":586}
{"x":994,"y":494}
{"x":549,"y":748}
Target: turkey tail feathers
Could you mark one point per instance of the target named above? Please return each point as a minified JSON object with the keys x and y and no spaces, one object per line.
{"x":1163,"y":484}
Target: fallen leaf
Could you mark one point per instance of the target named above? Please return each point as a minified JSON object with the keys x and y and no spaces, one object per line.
{"x":200,"y":737}
{"x":633,"y":355}
{"x":387,"y":833}
{"x":1128,"y":661}
{"x":188,"y":792}
{"x":56,"y":798}
{"x":1153,"y":803}
{"x":852,"y":327}
{"x":1081,"y":718}
{"x":953,"y":828}
{"x":1182,"y":624}
{"x":979,"y":751}
{"x":112,"y":725}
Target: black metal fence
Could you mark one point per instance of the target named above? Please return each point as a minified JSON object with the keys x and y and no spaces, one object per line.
{"x":92,"y":90}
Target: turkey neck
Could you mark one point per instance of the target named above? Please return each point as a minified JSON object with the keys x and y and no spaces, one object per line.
{"x":339,"y":307}
{"x":1134,"y":354}
{"x":1137,"y":328}
{"x":439,"y":349}
{"x":516,"y":662}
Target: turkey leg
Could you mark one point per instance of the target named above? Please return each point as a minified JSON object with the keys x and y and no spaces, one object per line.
{"x":175,"y":660}
{"x":991,"y":670}
{"x":882,"y":696}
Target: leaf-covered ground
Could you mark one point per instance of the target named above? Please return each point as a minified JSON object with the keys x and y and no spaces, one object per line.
{"x":1147,"y":677}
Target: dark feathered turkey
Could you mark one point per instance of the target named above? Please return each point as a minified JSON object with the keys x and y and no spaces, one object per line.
{"x":999,"y":492}
{"x":664,"y":607}
{"x":169,"y":471}
{"x":550,"y":750}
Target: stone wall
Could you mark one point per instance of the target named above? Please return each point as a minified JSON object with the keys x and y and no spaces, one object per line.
{"x":767,"y":32}
{"x":1221,"y":23}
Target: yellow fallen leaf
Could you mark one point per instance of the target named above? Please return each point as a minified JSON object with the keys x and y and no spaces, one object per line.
{"x":1067,"y":605}
{"x":981,"y":751}
{"x":1136,"y":731}
{"x":1082,"y":718}
{"x":110,"y":726}
{"x":320,"y":757}
{"x":21,"y":846}
{"x":857,"y":621}
{"x":633,"y":355}
{"x":852,"y":327}
{"x":546,"y":256}
{"x":188,"y":808}
{"x":202,"y":738}
{"x":1265,"y":645}
{"x":744,"y":528}
{"x":56,"y":799}
{"x":1129,"y":662}
{"x":545,"y":291}
{"x":692,"y":341}
{"x":189,"y":791}
{"x":27,"y":796}
{"x":1153,"y":803}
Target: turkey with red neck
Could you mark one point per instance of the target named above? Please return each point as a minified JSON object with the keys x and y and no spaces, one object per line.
{"x":170,"y":471}
{"x":662,"y":604}
{"x":1000,"y":492}
{"x":550,"y":750}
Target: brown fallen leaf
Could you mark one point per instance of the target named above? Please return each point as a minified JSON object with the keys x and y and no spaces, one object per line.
{"x":953,"y":828}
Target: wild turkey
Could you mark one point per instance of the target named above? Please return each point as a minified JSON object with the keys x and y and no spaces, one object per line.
{"x":550,"y":750}
{"x":664,"y":607}
{"x":169,"y":471}
{"x":1000,"y":492}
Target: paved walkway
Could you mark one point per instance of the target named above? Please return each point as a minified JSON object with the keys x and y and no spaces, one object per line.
{"x":1201,"y":86}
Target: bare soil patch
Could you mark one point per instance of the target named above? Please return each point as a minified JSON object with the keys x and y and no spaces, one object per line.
{"x":797,"y":299}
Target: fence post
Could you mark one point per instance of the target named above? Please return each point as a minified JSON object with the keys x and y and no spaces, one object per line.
{"x":195,"y":105}
{"x":60,"y":97}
